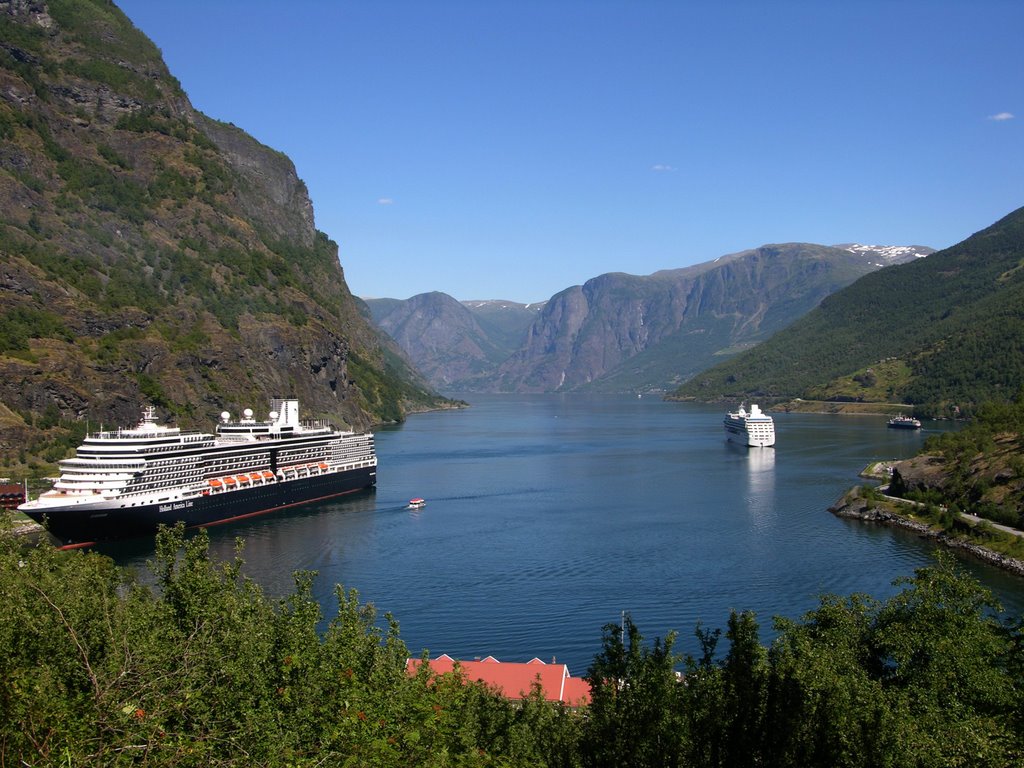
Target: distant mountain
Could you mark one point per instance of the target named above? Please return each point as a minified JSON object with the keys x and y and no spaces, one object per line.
{"x":949,"y":328}
{"x":620,"y":332}
{"x":453,"y":344}
{"x":505,"y":321}
{"x":149,"y":253}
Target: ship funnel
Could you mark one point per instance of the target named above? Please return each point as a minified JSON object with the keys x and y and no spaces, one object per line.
{"x":287,"y":412}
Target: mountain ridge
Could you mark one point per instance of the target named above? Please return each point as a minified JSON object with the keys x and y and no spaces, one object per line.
{"x":623,"y":332}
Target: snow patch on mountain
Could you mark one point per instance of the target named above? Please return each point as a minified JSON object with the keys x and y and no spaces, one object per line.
{"x":887,"y":255}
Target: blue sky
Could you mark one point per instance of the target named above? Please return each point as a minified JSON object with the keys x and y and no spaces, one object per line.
{"x":513,"y":149}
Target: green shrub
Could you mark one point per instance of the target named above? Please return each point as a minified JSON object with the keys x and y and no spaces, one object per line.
{"x":19,"y":324}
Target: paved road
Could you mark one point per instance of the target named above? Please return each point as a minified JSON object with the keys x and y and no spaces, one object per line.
{"x":974,"y":519}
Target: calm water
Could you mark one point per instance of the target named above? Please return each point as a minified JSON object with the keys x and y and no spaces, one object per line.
{"x":547,"y":516}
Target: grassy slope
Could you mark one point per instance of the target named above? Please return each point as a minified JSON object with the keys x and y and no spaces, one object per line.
{"x":947,"y":317}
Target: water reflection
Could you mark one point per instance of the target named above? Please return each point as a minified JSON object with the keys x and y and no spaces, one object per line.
{"x":761,"y":486}
{"x":276,"y":545}
{"x":313,"y":538}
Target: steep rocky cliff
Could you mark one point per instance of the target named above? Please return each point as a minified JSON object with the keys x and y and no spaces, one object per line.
{"x":151,"y":254}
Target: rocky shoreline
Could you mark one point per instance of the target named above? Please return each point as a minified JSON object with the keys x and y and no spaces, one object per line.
{"x":852,"y":506}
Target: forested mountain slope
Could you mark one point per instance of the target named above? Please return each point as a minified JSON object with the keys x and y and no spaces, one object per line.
{"x":956,"y":319}
{"x":151,"y":254}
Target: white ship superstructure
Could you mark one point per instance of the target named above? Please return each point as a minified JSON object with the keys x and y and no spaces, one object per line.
{"x":755,"y":429}
{"x":127,"y":481}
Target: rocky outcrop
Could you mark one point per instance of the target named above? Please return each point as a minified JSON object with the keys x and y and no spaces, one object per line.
{"x":921,"y":473}
{"x":852,"y":506}
{"x":274,"y":194}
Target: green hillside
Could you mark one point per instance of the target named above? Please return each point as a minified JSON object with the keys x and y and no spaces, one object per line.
{"x":956,"y":319}
{"x":149,"y":253}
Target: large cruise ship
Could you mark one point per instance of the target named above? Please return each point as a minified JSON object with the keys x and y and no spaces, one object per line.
{"x":126,"y":482}
{"x":755,"y":429}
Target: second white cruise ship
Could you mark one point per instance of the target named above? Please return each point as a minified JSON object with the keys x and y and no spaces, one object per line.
{"x":755,"y":429}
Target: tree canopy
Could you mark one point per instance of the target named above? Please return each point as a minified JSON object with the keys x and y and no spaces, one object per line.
{"x":201,"y":668}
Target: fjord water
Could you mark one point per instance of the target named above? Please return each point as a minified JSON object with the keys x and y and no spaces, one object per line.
{"x":548,"y":516}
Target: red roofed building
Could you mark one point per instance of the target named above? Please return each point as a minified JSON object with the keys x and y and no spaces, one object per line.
{"x":514,"y":680}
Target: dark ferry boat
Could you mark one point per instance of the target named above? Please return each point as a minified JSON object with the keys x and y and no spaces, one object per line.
{"x":126,"y":482}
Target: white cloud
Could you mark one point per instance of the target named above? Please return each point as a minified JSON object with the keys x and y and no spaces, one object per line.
{"x":385,"y":201}
{"x":1001,"y":116}
{"x":661,"y":167}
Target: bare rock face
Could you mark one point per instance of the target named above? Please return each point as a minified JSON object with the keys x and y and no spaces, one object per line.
{"x":34,"y":11}
{"x":921,"y":473}
{"x":541,"y":364}
{"x":274,"y":193}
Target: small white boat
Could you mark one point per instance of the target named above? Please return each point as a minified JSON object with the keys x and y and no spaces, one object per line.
{"x":417,"y":503}
{"x":904,"y":422}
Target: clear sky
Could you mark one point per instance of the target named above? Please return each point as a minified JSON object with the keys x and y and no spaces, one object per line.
{"x":510,"y":149}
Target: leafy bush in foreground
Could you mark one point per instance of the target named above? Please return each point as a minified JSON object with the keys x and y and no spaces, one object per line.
{"x":203,"y":670}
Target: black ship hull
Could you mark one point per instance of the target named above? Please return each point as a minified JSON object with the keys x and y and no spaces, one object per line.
{"x":81,"y":526}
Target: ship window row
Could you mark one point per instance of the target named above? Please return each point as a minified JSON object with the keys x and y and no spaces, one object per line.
{"x":161,"y":448}
{"x":98,"y":473}
{"x":95,"y":467}
{"x":171,"y":466}
{"x":152,"y":486}
{"x":302,"y":455}
{"x":351,"y":456}
{"x":144,"y":442}
{"x":362,"y":448}
{"x":171,"y":472}
{"x":152,"y":482}
{"x":236,"y":465}
{"x":237,"y":458}
{"x":151,"y":477}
